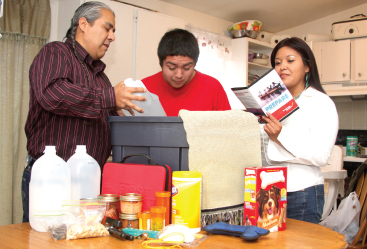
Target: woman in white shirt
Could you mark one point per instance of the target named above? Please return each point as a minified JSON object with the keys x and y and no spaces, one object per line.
{"x":303,"y":142}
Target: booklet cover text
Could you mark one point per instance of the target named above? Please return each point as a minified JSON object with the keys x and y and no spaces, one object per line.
{"x":267,"y":94}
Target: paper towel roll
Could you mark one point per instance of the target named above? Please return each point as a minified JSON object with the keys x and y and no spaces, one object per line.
{"x":275,"y":40}
{"x":264,"y":36}
{"x":315,"y":37}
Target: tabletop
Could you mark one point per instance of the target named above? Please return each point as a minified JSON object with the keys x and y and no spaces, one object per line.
{"x":298,"y":234}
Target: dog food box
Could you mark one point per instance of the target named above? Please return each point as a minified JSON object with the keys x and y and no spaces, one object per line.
{"x":266,"y":197}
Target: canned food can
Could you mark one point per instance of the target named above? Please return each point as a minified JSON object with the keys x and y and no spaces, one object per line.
{"x":352,"y":145}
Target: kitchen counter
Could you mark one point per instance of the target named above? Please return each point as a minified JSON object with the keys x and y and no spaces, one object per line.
{"x":353,"y":159}
{"x":298,"y":234}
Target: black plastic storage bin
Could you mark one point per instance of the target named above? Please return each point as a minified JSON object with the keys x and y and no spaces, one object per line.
{"x":161,"y":138}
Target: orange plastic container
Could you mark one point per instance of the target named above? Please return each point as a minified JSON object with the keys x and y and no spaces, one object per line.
{"x":144,"y":220}
{"x":157,"y":217}
{"x":163,"y":199}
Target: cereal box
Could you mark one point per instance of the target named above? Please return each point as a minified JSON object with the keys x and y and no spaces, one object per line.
{"x":266,"y":197}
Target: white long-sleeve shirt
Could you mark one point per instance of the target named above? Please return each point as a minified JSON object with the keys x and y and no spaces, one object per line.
{"x":308,"y":136}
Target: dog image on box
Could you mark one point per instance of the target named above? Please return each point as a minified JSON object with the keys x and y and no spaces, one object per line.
{"x":266,"y":197}
{"x":268,"y":203}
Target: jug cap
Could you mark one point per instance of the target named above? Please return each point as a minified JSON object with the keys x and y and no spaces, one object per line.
{"x":81,"y":148}
{"x":50,"y":149}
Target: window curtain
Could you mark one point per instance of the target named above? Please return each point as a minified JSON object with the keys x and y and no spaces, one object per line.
{"x":25,"y":29}
{"x":215,"y":59}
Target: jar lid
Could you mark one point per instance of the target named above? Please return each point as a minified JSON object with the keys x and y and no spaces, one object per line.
{"x":163,"y":194}
{"x":131,"y":197}
{"x":108,"y":197}
{"x":144,"y":215}
{"x":157,"y":209}
{"x":128,"y":216}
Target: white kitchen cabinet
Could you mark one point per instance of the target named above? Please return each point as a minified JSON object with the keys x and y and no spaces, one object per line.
{"x":335,"y":61}
{"x":341,"y":61}
{"x":133,"y":54}
{"x":359,"y":60}
{"x":342,"y":66}
{"x":241,"y":47}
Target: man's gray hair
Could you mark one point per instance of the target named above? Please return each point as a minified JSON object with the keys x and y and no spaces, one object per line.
{"x":91,"y":11}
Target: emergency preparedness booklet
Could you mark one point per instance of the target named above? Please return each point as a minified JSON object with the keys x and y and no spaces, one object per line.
{"x":267,"y":94}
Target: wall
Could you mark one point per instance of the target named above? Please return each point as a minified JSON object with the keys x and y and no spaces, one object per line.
{"x":195,"y":18}
{"x":324,"y":25}
{"x":63,"y":11}
{"x":352,"y":114}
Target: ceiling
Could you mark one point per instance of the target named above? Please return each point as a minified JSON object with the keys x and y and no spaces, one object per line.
{"x":276,"y":15}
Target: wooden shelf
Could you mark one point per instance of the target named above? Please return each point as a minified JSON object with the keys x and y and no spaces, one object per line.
{"x":241,"y":47}
{"x":256,"y":66}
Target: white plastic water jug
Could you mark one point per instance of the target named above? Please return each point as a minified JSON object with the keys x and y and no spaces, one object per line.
{"x":49,"y":186}
{"x":85,"y":174}
{"x":152,"y":106}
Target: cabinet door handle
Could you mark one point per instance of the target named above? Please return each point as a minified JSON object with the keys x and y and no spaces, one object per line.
{"x":344,"y":74}
{"x":359,"y":74}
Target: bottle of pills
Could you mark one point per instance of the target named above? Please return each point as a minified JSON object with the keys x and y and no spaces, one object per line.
{"x":144,"y":220}
{"x":157,"y":217}
{"x":131,"y":203}
{"x":163,"y":199}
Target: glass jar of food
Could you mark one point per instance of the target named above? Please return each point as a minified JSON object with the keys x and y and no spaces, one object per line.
{"x":112,"y":206}
{"x":129,"y":221}
{"x":131,"y":203}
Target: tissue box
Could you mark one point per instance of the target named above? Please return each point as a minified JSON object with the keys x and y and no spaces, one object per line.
{"x":266,"y":197}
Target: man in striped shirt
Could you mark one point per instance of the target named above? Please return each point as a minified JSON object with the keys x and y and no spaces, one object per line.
{"x":71,"y":96}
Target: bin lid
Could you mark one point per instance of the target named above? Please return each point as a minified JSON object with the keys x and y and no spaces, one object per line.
{"x":144,"y":119}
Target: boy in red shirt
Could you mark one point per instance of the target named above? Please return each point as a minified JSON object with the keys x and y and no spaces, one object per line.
{"x":179,"y":85}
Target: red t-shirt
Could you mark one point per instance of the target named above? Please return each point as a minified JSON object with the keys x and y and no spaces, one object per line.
{"x":202,"y":93}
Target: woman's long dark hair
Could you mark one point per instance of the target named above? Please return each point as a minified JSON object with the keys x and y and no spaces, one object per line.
{"x":307,"y":57}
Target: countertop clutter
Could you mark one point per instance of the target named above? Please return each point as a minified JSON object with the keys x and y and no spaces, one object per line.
{"x":341,"y":141}
{"x":298,"y":234}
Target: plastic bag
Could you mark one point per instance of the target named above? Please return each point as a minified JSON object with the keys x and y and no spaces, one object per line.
{"x":84,"y":219}
{"x":345,"y":219}
{"x":176,"y":235}
{"x":54,"y":222}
